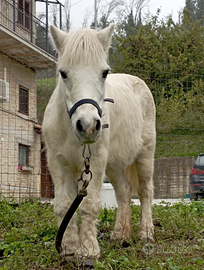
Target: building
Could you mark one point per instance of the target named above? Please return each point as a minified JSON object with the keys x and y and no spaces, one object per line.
{"x":24,"y":49}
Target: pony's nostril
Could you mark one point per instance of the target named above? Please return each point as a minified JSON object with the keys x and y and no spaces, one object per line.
{"x":79,"y":126}
{"x":98,"y":125}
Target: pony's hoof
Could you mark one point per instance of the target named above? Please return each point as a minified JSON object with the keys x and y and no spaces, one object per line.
{"x":87,"y":264}
{"x":117,"y":236}
{"x":125,"y":244}
{"x":66,"y":259}
{"x":73,"y":261}
{"x":147,"y":236}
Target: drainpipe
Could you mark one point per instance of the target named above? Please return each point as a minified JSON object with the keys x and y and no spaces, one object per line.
{"x":47,"y":44}
{"x":60,"y":16}
{"x":14,"y":15}
{"x":31,"y":21}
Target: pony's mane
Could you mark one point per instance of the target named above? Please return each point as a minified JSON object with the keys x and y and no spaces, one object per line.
{"x":82,"y":47}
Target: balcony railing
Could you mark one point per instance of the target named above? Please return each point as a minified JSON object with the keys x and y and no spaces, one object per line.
{"x":22,"y":21}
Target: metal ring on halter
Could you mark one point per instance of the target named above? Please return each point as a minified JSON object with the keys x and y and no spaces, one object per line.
{"x":86,"y":172}
{"x":83,"y":153}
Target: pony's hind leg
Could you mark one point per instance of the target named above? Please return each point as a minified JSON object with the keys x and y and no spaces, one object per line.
{"x":144,"y":166}
{"x":122,"y":229}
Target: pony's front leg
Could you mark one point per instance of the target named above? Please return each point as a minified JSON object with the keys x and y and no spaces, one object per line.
{"x":64,"y":196}
{"x":89,"y":210}
{"x":65,"y":193}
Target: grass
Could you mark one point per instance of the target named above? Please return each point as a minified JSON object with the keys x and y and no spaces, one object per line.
{"x":171,"y":145}
{"x":28,"y":230}
{"x":45,"y":88}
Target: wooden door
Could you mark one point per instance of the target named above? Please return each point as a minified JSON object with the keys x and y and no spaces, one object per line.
{"x":47,"y":187}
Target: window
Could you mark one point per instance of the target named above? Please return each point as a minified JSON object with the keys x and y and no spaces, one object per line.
{"x":23,"y":100}
{"x":200,"y":160}
{"x":23,"y":155}
{"x":27,"y":14}
{"x":24,"y":13}
{"x":20,"y":11}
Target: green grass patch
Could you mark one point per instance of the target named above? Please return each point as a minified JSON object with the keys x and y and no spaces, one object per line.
{"x":172,"y":145}
{"x":45,"y":88}
{"x":28,"y":230}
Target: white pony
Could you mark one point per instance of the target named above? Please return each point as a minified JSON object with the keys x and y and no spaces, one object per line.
{"x":124,"y":152}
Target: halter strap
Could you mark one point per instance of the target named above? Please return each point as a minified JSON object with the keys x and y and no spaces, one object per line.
{"x":85,"y":101}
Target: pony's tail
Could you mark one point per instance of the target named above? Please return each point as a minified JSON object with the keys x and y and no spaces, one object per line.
{"x":132,"y":177}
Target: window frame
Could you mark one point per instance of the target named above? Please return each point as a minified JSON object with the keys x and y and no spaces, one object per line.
{"x":21,"y":104}
{"x":24,"y":9}
{"x":22,"y":149}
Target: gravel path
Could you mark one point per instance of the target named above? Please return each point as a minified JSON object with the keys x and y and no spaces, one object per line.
{"x":163,"y":201}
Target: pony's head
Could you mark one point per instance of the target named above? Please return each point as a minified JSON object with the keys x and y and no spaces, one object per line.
{"x":83,"y":68}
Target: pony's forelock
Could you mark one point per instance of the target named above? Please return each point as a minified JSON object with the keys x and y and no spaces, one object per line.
{"x":82,"y":47}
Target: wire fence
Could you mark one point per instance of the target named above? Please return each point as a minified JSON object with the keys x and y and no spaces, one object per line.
{"x":23,"y":167}
{"x":24,"y":94}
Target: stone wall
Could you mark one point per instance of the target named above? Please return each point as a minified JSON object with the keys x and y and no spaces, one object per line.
{"x":171,"y":177}
{"x":17,"y":128}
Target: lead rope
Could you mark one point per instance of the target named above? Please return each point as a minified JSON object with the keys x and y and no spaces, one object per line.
{"x":81,"y":194}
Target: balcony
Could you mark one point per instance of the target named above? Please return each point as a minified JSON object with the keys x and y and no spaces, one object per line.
{"x":23,"y":36}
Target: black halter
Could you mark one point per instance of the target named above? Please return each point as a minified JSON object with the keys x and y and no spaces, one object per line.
{"x":89,"y":101}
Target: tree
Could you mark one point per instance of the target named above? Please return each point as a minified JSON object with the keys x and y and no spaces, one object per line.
{"x":163,"y":53}
{"x":196,"y":8}
{"x":136,"y":6}
{"x":191,"y":7}
{"x":131,"y":16}
{"x":86,"y":18}
{"x":66,"y":13}
{"x":199,"y":9}
{"x":106,"y":10}
{"x":131,"y":24}
{"x":54,"y":15}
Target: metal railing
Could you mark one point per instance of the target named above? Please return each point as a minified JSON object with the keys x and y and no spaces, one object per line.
{"x":22,"y":21}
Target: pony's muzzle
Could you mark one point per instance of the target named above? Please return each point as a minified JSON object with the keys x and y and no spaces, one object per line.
{"x":88,"y":132}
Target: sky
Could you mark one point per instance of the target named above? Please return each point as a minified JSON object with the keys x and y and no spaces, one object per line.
{"x":79,"y":7}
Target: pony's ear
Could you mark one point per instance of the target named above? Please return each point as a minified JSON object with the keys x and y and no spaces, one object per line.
{"x":105,"y":35}
{"x":58,"y":36}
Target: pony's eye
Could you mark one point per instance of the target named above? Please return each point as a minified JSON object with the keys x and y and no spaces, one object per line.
{"x":105,"y":73}
{"x":63,"y":74}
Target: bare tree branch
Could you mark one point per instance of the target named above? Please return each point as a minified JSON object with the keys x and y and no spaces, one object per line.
{"x":54,"y":14}
{"x":133,"y":6}
{"x":106,"y":9}
{"x":87,"y":15}
{"x":66,"y":13}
